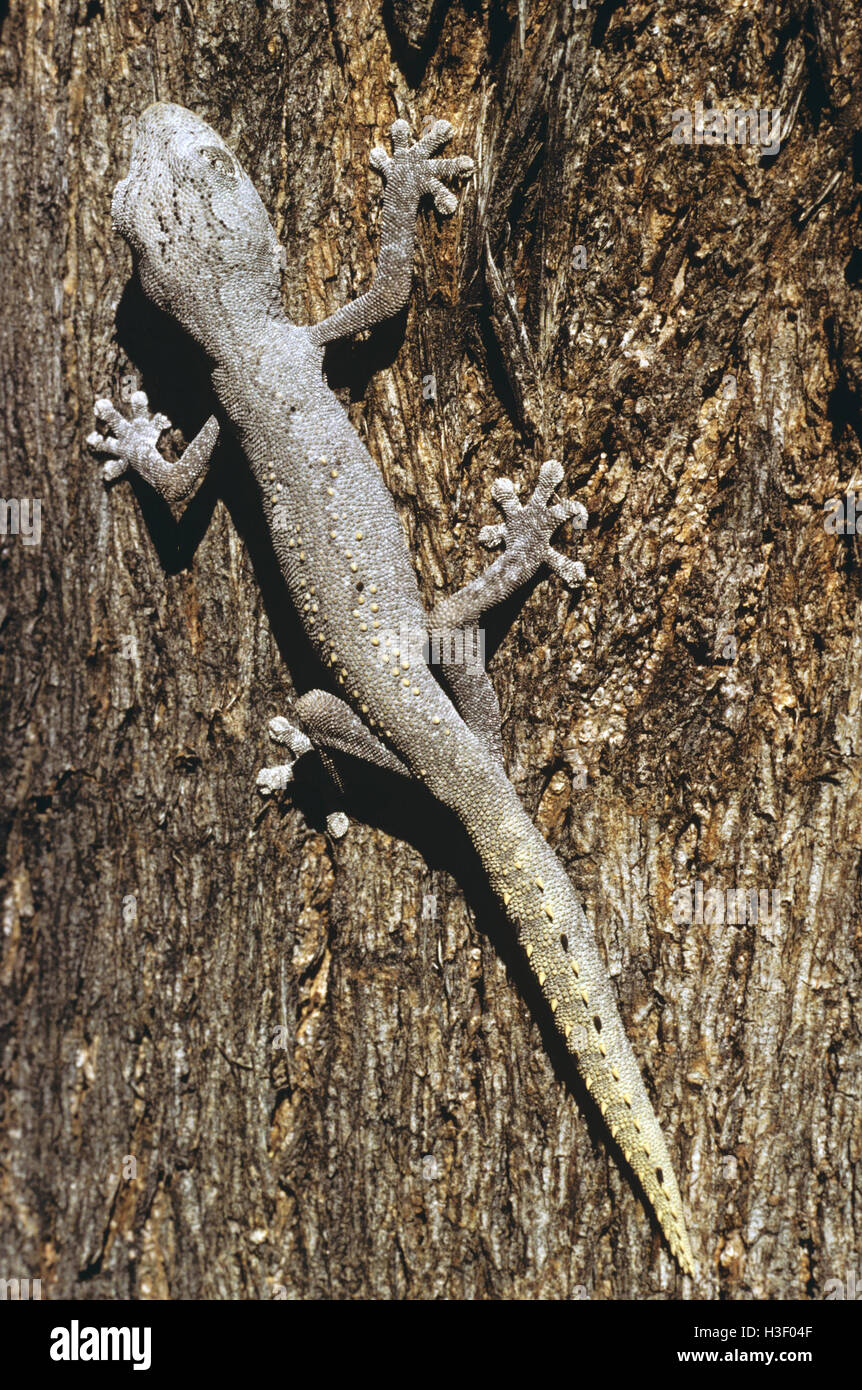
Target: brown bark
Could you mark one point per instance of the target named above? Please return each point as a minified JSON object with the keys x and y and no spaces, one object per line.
{"x":330,"y":1084}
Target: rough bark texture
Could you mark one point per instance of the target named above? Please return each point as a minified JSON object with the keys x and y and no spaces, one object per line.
{"x":320,"y":1055}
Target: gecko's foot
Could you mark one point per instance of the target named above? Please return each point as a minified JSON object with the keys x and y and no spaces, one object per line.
{"x":129,"y":442}
{"x":337,"y":824}
{"x":528,"y":528}
{"x":414,"y":167}
{"x":282,"y":731}
{"x":275,"y":779}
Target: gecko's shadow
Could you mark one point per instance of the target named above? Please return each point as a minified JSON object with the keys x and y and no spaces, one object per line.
{"x":174,"y":374}
{"x":412,"y":45}
{"x":350,"y":363}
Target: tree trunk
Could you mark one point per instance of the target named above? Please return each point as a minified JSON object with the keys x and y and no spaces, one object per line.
{"x":244,"y":1060}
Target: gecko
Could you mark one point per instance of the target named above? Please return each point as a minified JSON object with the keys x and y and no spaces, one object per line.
{"x":206,"y":253}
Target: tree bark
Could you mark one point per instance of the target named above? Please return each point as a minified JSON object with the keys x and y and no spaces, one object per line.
{"x":243,"y":1060}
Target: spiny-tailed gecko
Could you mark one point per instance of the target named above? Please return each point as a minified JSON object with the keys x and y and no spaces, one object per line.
{"x":206,"y":253}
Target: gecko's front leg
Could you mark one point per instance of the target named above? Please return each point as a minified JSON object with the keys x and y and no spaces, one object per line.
{"x":411,"y":172}
{"x":133,"y":444}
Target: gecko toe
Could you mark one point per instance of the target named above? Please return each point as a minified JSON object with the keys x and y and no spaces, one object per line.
{"x":445,"y":200}
{"x":107,"y":414}
{"x":380,"y":160}
{"x":114,"y":469}
{"x":571,"y":572}
{"x":102,"y":444}
{"x":337,"y":824}
{"x":274,"y":779}
{"x":459,"y":167}
{"x":504,"y":494}
{"x":282,"y":731}
{"x":492,"y":535}
{"x":438,"y":135}
{"x":550,"y":474}
{"x":400,"y":134}
{"x":570,"y":510}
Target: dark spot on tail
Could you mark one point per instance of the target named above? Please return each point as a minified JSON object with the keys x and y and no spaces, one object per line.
{"x":598,"y":1022}
{"x":659,"y":1174}
{"x":564,"y":942}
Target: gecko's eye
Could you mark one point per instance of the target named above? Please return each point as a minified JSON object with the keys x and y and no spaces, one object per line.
{"x":219,"y":159}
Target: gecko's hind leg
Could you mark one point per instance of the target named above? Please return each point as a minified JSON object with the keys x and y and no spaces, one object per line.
{"x":456,"y":638}
{"x":281,"y":730}
{"x":333,"y":727}
{"x":527,"y":532}
{"x":475,"y":699}
{"x":328,"y":726}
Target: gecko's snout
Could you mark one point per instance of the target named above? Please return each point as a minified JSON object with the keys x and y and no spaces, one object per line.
{"x":194,"y":220}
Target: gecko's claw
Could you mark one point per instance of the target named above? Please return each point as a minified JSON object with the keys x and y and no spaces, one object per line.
{"x":528,"y":527}
{"x":415,"y":167}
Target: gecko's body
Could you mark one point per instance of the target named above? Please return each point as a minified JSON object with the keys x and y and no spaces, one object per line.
{"x":206,"y":252}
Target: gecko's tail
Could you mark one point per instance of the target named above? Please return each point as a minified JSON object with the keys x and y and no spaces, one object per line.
{"x":564,"y":956}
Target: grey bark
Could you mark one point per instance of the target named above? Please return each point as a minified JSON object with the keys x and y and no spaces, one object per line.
{"x":320,"y":1055}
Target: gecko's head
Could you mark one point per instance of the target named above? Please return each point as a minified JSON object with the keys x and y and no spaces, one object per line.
{"x":194,"y":221}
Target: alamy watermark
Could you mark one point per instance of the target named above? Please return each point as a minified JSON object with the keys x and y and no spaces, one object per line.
{"x":456,"y":646}
{"x":843,"y":514}
{"x":21,"y":517}
{"x":736,"y":906}
{"x":844,"y":1288}
{"x":738,"y":126}
{"x":20,"y":1290}
{"x":77,"y":1343}
{"x":436,"y":646}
